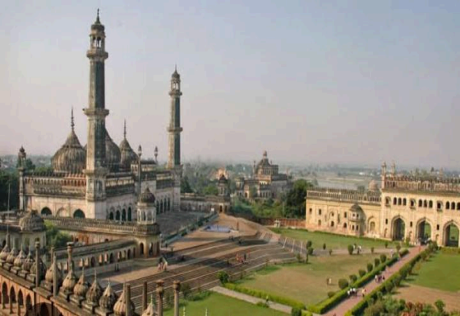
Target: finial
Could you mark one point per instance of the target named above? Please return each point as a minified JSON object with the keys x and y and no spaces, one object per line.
{"x":124,"y":130}
{"x":175,"y":67}
{"x":97,"y":19}
{"x":72,"y":123}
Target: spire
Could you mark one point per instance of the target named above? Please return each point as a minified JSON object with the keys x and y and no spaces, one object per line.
{"x":72,"y":123}
{"x":124,"y":130}
{"x":97,"y":18}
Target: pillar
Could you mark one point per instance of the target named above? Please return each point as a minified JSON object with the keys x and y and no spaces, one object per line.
{"x":160,"y":292}
{"x":176,"y":287}
{"x":37,"y":261}
{"x":69,"y":256}
{"x":144,"y":296}
{"x":128,"y":300}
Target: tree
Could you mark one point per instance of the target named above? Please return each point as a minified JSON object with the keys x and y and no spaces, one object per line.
{"x":210,"y":189}
{"x":440,"y":306}
{"x":343,"y":283}
{"x":185,"y":186}
{"x":295,"y":198}
{"x":55,"y":237}
{"x":9,"y":180}
{"x":350,"y":249}
{"x":223,"y":277}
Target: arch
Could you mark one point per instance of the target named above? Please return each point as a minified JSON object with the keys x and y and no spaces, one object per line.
{"x":220,"y":208}
{"x":129,"y":214}
{"x":451,"y":234}
{"x":12,"y":295}
{"x":93,"y":262}
{"x":129,"y":254}
{"x":78,"y":214}
{"x":111,"y":216}
{"x":44,"y":310}
{"x":425,"y":203}
{"x":20,"y":298}
{"x":62,"y":212}
{"x":399,"y":201}
{"x":5,"y":296}
{"x":123,"y":215}
{"x":423,"y":230}
{"x":398,"y":227}
{"x":372,"y":226}
{"x":404,"y":201}
{"x":111,"y":258}
{"x":117,"y":215}
{"x":344,"y":225}
{"x":46,"y":211}
{"x":141,"y":249}
{"x":447,"y":205}
{"x":420,"y":203}
{"x":430,"y":204}
{"x":28,"y":303}
{"x":395,"y":201}
{"x":332,"y":223}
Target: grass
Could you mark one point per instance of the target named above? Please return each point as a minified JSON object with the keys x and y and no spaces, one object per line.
{"x":332,"y":241}
{"x":439,"y":272}
{"x":307,"y":282}
{"x":220,"y":305}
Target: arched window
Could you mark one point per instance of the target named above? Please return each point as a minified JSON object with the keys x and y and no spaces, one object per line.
{"x":430,"y":204}
{"x":129,"y":214}
{"x":458,"y":206}
{"x":78,"y":214}
{"x":46,"y":211}
{"x":344,"y":225}
{"x":420,"y":203}
{"x":319,"y":222}
{"x":447,"y":206}
{"x":404,"y":201}
{"x":399,"y":201}
{"x":123,"y":215}
{"x":111,"y":216}
{"x":117,"y":216}
{"x":395,"y":201}
{"x":425,"y":203}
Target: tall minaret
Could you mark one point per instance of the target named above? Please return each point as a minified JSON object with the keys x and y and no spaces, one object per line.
{"x":174,"y":127}
{"x":96,"y":170}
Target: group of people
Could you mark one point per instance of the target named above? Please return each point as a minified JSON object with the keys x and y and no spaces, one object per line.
{"x":162,"y":266}
{"x":379,"y":278}
{"x":357,"y":248}
{"x":354,"y":292}
{"x":242,"y":258}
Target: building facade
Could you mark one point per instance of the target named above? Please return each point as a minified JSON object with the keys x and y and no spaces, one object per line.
{"x":102,"y":180}
{"x":265,"y":183}
{"x":410,"y":208}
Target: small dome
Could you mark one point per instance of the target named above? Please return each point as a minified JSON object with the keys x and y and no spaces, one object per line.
{"x":94,"y":293}
{"x":175,"y":74}
{"x":120,"y":306}
{"x":32,"y":222}
{"x":12,"y":255}
{"x":223,"y":179}
{"x":71,"y":157}
{"x":49,"y":276}
{"x":108,"y":299}
{"x":97,"y":26}
{"x":373,"y":186}
{"x":356,"y":208}
{"x":28,"y":263}
{"x":69,"y":282}
{"x":20,"y":259}
{"x":112,"y":153}
{"x":5,"y":252}
{"x":147,"y":197}
{"x":82,"y":286}
{"x":128,"y":156}
{"x":42,"y":267}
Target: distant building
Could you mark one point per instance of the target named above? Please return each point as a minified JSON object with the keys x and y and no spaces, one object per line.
{"x":265,"y":183}
{"x":207,"y":203}
{"x":413,"y":208}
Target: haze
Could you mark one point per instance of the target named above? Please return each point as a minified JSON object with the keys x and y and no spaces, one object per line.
{"x":309,"y":81}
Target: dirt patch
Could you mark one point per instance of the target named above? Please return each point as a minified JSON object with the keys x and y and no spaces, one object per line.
{"x":415,"y":294}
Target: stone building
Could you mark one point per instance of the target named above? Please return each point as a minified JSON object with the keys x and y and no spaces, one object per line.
{"x":208,"y":203}
{"x":102,"y":180}
{"x":412,"y":208}
{"x":266,"y":181}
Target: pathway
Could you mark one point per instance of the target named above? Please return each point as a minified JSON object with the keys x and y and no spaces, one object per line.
{"x":347,"y":304}
{"x":251,"y":299}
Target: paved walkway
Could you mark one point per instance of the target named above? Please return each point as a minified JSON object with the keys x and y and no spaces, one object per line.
{"x":251,"y":299}
{"x":347,"y":304}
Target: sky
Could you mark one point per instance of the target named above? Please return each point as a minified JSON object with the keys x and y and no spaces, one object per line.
{"x":309,"y":81}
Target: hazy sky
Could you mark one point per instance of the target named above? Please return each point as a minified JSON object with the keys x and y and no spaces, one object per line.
{"x":310,"y":81}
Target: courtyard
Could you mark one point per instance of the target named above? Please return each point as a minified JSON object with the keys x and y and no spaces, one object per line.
{"x":220,"y":305}
{"x":306,"y":283}
{"x":332,"y":241}
{"x":436,"y":278}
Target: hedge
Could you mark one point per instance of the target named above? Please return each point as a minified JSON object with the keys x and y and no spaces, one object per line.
{"x":359,"y":308}
{"x":263,"y":295}
{"x":328,"y":303}
{"x":450,"y":250}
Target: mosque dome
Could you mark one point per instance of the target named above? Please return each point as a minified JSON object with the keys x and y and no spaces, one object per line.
{"x":69,"y":282}
{"x":108,"y":298}
{"x":71,"y":157}
{"x":20,"y":259}
{"x":32,"y":222}
{"x":147,"y":197}
{"x":94,"y":293}
{"x":373,"y":186}
{"x":120,"y":306}
{"x":12,"y":255}
{"x":175,"y":74}
{"x":28,"y":263}
{"x":82,"y":286}
{"x":128,"y":156}
{"x":112,"y":153}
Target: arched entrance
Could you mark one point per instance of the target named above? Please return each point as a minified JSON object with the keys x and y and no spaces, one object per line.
{"x":78,"y":214}
{"x":423,"y":231}
{"x":123,"y":215}
{"x":117,"y":216}
{"x":399,"y":229}
{"x":46,"y":212}
{"x":451,"y":235}
{"x":111,"y":216}
{"x":129,"y":214}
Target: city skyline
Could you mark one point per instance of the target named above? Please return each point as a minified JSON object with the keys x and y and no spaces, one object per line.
{"x":254,"y":78}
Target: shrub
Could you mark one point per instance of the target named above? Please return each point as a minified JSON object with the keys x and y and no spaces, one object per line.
{"x":309,"y":244}
{"x":186,"y":290}
{"x":310,"y":251}
{"x":372,"y":250}
{"x":299,"y":258}
{"x":296,"y":312}
{"x":376,"y":262}
{"x":386,"y":244}
{"x":350,"y":249}
{"x":388,"y":287}
{"x":343,"y":283}
{"x":398,"y":247}
{"x":265,"y":305}
{"x":369,"y":267}
{"x":223,"y":277}
{"x":353,"y":278}
{"x":383,"y":258}
{"x":324,"y":246}
{"x":361,"y":272}
{"x":330,"y":252}
{"x":330,"y":294}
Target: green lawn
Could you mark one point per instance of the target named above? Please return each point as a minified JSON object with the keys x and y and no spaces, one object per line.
{"x":439,"y":272}
{"x":332,"y":241}
{"x":220,"y":305}
{"x":307,"y":282}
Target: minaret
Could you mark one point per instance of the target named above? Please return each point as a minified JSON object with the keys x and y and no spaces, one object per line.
{"x":174,"y":128}
{"x":96,"y":170}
